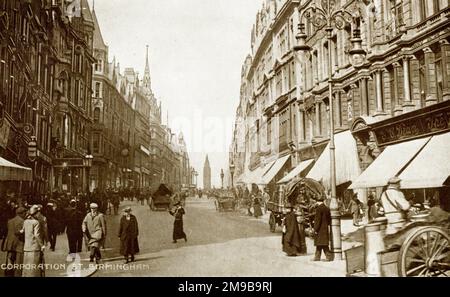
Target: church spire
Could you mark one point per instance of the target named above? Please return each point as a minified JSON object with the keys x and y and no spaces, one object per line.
{"x":147,"y":81}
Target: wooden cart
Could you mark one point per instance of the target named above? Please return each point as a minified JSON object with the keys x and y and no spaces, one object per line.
{"x":161,"y":198}
{"x":420,"y":249}
{"x":225,"y":201}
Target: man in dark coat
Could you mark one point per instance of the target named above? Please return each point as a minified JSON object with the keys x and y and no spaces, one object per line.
{"x":14,"y":243}
{"x":53,"y":223}
{"x":322,"y":222}
{"x":293,"y":243}
{"x":178,"y":232}
{"x":128,"y":234}
{"x":74,"y":219}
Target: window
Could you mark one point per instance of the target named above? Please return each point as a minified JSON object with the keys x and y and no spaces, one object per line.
{"x":278,"y":84}
{"x":283,"y":42}
{"x":422,"y":78}
{"x":436,"y":6}
{"x":319,"y":118}
{"x":286,"y":78}
{"x":422,"y":9}
{"x":292,"y":76}
{"x":99,"y":66}
{"x":334,"y":44}
{"x":98,"y":90}
{"x":392,"y":87}
{"x":438,"y":72}
{"x":315,"y":72}
{"x":96,"y":143}
{"x":269,"y":131}
{"x":396,"y":15}
{"x":96,"y":115}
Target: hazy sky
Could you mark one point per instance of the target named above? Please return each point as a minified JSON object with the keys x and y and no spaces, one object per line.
{"x":196,"y":50}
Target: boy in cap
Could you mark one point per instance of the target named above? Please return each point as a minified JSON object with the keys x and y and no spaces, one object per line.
{"x":94,"y":228}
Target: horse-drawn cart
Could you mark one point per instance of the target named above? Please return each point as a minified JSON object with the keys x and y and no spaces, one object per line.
{"x":225,"y":201}
{"x":161,"y":198}
{"x":300,"y":193}
{"x":421,"y":248}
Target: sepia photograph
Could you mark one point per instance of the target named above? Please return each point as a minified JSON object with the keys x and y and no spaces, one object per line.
{"x":224,"y":139}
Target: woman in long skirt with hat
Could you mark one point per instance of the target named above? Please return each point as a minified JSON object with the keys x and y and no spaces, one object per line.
{"x":178,"y":232}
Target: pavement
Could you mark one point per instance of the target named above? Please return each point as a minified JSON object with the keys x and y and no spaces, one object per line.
{"x":219,"y":244}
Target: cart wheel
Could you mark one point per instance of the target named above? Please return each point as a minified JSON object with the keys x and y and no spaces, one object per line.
{"x":425,"y":252}
{"x":272,"y":223}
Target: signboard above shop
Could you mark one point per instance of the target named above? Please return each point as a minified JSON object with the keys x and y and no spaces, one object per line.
{"x":427,"y":121}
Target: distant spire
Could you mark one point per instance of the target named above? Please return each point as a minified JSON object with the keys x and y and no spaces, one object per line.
{"x":93,"y":5}
{"x":147,"y":67}
{"x":146,"y":78}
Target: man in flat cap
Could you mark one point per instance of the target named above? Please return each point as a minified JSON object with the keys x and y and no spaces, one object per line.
{"x":14,"y":243}
{"x":94,"y":229}
{"x":395,"y":206}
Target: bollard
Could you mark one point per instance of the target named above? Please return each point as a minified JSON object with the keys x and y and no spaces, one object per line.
{"x":374,"y":243}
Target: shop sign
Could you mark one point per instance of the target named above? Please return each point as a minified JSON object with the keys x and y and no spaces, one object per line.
{"x":423,"y":124}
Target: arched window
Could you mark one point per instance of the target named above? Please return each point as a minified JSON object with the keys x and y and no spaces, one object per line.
{"x":97,"y":115}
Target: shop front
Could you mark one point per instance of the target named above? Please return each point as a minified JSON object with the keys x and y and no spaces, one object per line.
{"x":414,"y":147}
{"x":347,"y":170}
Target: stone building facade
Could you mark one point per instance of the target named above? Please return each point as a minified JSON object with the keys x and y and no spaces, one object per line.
{"x":284,"y":104}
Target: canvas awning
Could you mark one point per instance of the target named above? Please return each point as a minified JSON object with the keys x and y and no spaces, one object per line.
{"x":347,"y":162}
{"x":431,"y":167}
{"x":389,"y":163}
{"x":276,"y":167}
{"x":299,"y":169}
{"x":255,"y":176}
{"x":10,"y":171}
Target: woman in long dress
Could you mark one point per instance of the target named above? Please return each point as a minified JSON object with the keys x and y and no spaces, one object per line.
{"x":257,"y":211}
{"x":178,"y":232}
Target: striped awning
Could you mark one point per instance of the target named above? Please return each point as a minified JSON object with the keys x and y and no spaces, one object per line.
{"x":10,"y":171}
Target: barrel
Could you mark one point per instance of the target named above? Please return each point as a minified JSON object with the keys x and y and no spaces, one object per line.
{"x":373,"y":245}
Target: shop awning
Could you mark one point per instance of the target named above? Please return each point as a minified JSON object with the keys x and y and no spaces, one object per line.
{"x":10,"y":171}
{"x":276,"y":167}
{"x":388,"y":164}
{"x":299,"y":169}
{"x":347,"y":162}
{"x":431,"y":167}
{"x":255,"y":176}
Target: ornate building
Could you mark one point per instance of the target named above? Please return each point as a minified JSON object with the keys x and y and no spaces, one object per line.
{"x":284,"y":104}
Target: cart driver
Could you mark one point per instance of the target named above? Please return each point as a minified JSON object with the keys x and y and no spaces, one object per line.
{"x":395,"y":206}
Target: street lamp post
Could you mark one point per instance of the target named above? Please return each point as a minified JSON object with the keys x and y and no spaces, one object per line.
{"x":32,"y":155}
{"x":232,"y":168}
{"x":328,"y":17}
{"x":222,"y":176}
{"x":88,"y":164}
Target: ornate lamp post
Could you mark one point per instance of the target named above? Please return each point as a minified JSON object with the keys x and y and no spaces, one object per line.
{"x":32,"y":155}
{"x":88,"y":164}
{"x":330,"y":17}
{"x":232,"y":168}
